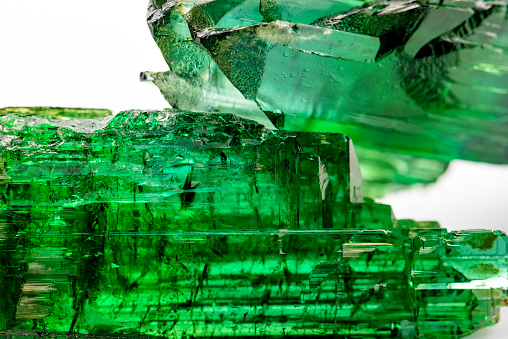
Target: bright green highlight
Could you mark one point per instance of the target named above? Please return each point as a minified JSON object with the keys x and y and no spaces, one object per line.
{"x":199,"y":224}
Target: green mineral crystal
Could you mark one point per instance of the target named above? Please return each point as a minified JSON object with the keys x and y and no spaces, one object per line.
{"x":239,"y":212}
{"x":383,"y":171}
{"x":57,"y":112}
{"x":383,"y":72}
{"x":201,"y":171}
{"x":193,"y":225}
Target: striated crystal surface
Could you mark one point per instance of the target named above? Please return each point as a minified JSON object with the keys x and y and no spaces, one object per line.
{"x":212,"y":171}
{"x":383,"y":172}
{"x":60,"y":113}
{"x":424,"y":79}
{"x":192,"y":225}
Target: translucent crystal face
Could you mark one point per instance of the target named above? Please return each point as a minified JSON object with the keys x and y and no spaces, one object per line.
{"x":380,"y":71}
{"x":247,"y":219}
{"x":149,"y":223}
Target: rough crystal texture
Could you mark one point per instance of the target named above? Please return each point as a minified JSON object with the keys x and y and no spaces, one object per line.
{"x":211,"y":171}
{"x":59,"y":113}
{"x":384,"y":72}
{"x":194,"y":225}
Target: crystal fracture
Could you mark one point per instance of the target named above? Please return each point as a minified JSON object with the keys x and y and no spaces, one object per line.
{"x":239,"y":212}
{"x":198,"y":225}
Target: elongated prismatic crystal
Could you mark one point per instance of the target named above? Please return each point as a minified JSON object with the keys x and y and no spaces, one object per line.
{"x":384,"y":72}
{"x":189,"y":224}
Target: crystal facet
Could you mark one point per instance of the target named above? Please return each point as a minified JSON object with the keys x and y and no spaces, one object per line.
{"x":239,"y":212}
{"x":365,"y":69}
{"x":200,"y":224}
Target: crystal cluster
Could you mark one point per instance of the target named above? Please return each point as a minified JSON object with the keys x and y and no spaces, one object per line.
{"x":187,"y":224}
{"x":383,"y":72}
{"x":239,"y":212}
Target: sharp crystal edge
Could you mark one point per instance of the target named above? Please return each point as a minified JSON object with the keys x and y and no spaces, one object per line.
{"x":195,"y":82}
{"x":383,"y":72}
{"x":190,"y":225}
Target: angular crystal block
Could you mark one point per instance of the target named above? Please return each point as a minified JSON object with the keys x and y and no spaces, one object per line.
{"x":383,"y":72}
{"x":195,"y":171}
{"x":188,"y":224}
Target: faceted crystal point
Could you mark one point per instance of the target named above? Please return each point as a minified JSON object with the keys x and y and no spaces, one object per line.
{"x":196,"y":83}
{"x":383,"y":72}
{"x":188,"y":224}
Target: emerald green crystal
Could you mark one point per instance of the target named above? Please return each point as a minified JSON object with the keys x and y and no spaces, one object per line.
{"x":383,"y":72}
{"x":202,"y":171}
{"x":57,"y":112}
{"x":239,"y":211}
{"x":189,"y":224}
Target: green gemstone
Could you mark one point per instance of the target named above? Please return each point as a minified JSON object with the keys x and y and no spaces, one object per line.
{"x":196,"y":83}
{"x":200,"y":224}
{"x":367,"y":70}
{"x":203,"y":171}
{"x":56,"y":112}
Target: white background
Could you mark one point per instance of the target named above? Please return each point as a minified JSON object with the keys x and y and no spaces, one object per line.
{"x":89,"y":54}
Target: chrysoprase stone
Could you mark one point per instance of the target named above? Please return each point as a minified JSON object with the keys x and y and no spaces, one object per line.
{"x":198,"y":225}
{"x":424,"y":79}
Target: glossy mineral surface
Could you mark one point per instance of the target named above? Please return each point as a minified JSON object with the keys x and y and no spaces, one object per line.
{"x":197,"y":225}
{"x":422,"y":78}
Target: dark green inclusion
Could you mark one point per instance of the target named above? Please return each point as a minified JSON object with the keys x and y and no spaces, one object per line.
{"x":194,"y":225}
{"x":425,"y":79}
{"x":202,"y":171}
